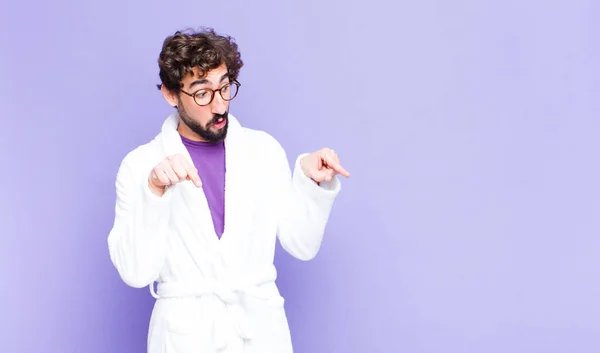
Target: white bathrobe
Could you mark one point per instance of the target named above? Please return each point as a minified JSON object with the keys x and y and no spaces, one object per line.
{"x":216,"y":295}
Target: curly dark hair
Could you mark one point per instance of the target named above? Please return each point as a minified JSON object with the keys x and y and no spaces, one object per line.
{"x":205,"y":50}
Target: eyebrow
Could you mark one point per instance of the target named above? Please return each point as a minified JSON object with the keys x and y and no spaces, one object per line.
{"x":205,"y":81}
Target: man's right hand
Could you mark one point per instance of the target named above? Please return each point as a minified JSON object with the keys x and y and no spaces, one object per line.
{"x":170,"y":171}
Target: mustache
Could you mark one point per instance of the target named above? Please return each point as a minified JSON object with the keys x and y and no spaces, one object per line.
{"x":216,"y":118}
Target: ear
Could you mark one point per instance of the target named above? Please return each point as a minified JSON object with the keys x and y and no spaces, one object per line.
{"x":169,"y":96}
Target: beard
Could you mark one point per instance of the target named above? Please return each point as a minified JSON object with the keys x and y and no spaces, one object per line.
{"x":204,"y":131}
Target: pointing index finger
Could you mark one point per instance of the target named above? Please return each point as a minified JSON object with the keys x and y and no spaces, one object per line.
{"x":193,"y":175}
{"x":335,"y":165}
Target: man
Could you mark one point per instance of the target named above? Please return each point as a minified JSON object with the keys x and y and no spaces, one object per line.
{"x":199,"y":209}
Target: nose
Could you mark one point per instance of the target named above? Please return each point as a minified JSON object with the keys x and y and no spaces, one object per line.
{"x":218,"y":105}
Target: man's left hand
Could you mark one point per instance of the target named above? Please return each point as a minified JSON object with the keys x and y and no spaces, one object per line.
{"x":323,"y":165}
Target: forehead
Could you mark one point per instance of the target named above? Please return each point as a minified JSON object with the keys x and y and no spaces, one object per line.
{"x":213,"y":77}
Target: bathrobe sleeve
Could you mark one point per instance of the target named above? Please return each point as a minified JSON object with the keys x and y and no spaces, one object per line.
{"x":137,"y":241}
{"x":304,"y":209}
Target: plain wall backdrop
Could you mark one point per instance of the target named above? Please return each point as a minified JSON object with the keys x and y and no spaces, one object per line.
{"x":471,"y":128}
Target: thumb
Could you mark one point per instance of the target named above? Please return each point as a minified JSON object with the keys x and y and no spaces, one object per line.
{"x":321,"y":175}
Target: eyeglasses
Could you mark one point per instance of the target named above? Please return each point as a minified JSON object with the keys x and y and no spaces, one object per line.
{"x":205,"y":96}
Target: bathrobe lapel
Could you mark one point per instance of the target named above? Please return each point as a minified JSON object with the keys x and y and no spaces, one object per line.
{"x":203,"y":239}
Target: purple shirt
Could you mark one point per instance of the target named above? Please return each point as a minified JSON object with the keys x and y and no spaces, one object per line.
{"x":209,"y":159}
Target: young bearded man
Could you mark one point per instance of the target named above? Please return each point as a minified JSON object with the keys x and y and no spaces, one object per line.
{"x":199,"y":209}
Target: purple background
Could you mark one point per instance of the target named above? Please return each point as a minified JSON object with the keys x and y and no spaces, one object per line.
{"x":471,"y":221}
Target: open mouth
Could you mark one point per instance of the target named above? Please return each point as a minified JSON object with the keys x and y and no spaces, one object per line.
{"x":220,"y":122}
